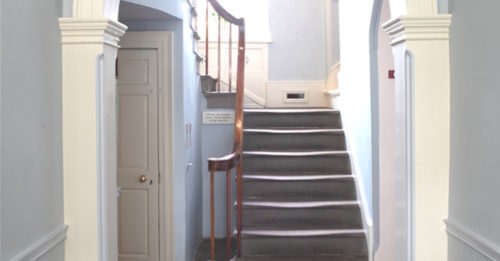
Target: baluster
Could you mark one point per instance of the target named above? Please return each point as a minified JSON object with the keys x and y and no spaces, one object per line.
{"x":206,"y":39}
{"x":230,"y":55}
{"x":239,"y":194}
{"x":212,"y":215}
{"x":228,"y":213}
{"x":218,"y":58}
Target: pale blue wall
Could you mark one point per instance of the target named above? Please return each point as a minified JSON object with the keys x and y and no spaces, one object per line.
{"x":443,"y":6}
{"x":298,"y":50}
{"x":186,"y":107}
{"x":31,"y":134}
{"x":355,"y":100}
{"x":475,"y":121}
{"x":172,"y":7}
{"x":335,"y":40}
{"x":459,"y":251}
{"x":67,"y":8}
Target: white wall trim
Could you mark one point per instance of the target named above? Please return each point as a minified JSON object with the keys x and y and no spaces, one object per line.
{"x":102,"y":200}
{"x":314,"y":89}
{"x":361,"y":194}
{"x":332,"y":91}
{"x":43,"y":245}
{"x":248,"y":94}
{"x":473,"y":240}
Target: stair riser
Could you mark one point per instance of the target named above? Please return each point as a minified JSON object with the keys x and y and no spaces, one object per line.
{"x":335,"y":164}
{"x":280,"y":246}
{"x":293,"y":120}
{"x":314,"y":190}
{"x":291,"y":142}
{"x":208,"y":84}
{"x":325,"y":218}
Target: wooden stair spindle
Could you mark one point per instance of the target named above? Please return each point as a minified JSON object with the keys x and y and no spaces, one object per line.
{"x":230,"y":66}
{"x":228,"y":213}
{"x":218,"y":56}
{"x":212,"y":214}
{"x":239,"y":200}
{"x":206,"y":38}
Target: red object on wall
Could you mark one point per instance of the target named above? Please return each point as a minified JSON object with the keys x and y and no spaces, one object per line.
{"x":391,"y":74}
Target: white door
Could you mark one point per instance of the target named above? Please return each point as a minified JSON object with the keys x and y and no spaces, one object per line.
{"x":138,"y":166}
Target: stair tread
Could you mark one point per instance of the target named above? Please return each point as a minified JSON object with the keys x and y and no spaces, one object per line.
{"x":304,"y":130}
{"x":297,"y":153}
{"x":339,"y":257}
{"x":292,"y":173}
{"x":292,"y":110}
{"x":221,"y":93}
{"x":287,"y":226}
{"x":257,"y":177}
{"x":300,"y":232}
{"x":298,"y":204}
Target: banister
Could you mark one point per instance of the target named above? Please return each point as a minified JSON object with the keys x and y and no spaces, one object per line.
{"x":225,"y":14}
{"x":223,"y":163}
{"x":235,"y":158}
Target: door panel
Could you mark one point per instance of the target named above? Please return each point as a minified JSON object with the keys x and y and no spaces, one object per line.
{"x":138,"y":155}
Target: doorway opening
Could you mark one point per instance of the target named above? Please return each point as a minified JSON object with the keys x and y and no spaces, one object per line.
{"x":145,"y":215}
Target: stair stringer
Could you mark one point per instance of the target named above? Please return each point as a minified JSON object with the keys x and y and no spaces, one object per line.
{"x":360,"y":192}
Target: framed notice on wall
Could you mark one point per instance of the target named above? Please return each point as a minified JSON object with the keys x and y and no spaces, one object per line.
{"x":218,"y":117}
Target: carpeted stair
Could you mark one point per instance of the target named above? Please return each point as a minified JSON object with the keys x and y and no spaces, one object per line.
{"x":299,"y":196}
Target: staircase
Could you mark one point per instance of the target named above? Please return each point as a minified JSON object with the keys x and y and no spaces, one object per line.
{"x":299,"y":196}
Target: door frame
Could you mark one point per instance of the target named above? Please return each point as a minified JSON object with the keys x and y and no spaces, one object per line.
{"x":161,"y":41}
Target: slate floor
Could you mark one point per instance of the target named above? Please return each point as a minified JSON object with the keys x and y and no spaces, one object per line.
{"x":203,"y":251}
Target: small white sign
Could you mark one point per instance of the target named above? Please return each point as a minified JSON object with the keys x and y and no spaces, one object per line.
{"x":218,"y":117}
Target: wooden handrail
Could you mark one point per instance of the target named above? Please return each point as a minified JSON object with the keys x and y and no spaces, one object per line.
{"x":235,"y":158}
{"x":226,"y":15}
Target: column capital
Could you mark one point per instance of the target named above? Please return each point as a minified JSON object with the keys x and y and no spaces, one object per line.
{"x":418,"y":28}
{"x":91,"y":31}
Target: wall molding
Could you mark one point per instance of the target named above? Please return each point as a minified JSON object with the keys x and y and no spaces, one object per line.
{"x":91,"y":31}
{"x":473,"y":240}
{"x":43,"y":245}
{"x":418,"y":28}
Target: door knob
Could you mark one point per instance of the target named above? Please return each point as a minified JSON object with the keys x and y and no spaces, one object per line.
{"x":143,"y":178}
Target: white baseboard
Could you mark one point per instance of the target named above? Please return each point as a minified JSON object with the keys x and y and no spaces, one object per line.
{"x":472,"y":239}
{"x":361,"y":195}
{"x":314,"y":93}
{"x":43,"y":245}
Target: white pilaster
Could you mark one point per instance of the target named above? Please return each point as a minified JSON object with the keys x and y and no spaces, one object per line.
{"x":89,"y":49}
{"x":96,"y":8}
{"x":422,"y":65}
{"x":413,"y":7}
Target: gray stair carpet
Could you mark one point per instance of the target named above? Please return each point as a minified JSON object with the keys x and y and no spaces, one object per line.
{"x":299,"y":194}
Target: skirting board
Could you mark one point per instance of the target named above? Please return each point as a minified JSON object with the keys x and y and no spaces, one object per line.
{"x":43,"y":245}
{"x":314,"y":91}
{"x":472,"y":239}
